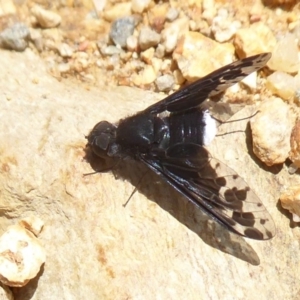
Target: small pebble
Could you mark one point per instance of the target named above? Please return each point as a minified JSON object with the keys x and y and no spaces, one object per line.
{"x":179,"y":79}
{"x":117,"y":11}
{"x":146,"y":76}
{"x":224,"y":29}
{"x":251,"y":81}
{"x":290,"y":200}
{"x":148,"y":38}
{"x":15,"y":37}
{"x":285,"y":55}
{"x":283,"y":85}
{"x":132,"y":43}
{"x":45,"y":18}
{"x":196,"y":55}
{"x":7,"y":7}
{"x":65,"y":50}
{"x":121,"y":29}
{"x":164,"y":83}
{"x":64,"y":68}
{"x":110,"y":50}
{"x":138,"y":6}
{"x":172,"y":14}
{"x":147,"y":55}
{"x":171,"y":33}
{"x":257,"y":38}
{"x":294,"y":154}
{"x":160,"y":51}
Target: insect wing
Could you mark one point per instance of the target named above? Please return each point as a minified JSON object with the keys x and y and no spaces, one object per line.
{"x":215,"y":188}
{"x":210,"y":85}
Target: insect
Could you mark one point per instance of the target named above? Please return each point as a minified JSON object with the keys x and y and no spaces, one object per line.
{"x":169,"y":137}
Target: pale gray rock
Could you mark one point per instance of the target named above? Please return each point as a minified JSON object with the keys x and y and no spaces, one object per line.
{"x":148,"y":38}
{"x":121,"y":29}
{"x":165,"y":82}
{"x":159,"y":246}
{"x":15,"y":37}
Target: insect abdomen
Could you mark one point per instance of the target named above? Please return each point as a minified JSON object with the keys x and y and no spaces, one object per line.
{"x":193,"y":126}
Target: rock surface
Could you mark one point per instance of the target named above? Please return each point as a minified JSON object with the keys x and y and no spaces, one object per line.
{"x":159,"y":246}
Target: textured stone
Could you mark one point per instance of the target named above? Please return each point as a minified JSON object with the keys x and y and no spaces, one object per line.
{"x":164,"y":83}
{"x":138,"y":6}
{"x":271,"y":129}
{"x":121,"y":29}
{"x":283,"y":85}
{"x":117,"y":11}
{"x":294,"y":154}
{"x":15,"y":37}
{"x":290,"y":200}
{"x":45,"y":18}
{"x":21,"y":256}
{"x":159,"y":246}
{"x":173,"y":32}
{"x":197,"y":55}
{"x":255,"y":39}
{"x":285,"y":57}
{"x":148,"y":38}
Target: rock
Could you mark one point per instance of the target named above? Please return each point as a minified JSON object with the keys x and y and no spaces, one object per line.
{"x":160,"y":51}
{"x":45,"y":18}
{"x":21,"y":256}
{"x":33,"y":224}
{"x":96,"y":248}
{"x":255,"y":39}
{"x":173,"y":32}
{"x":156,"y":16}
{"x":179,"y":79}
{"x":132,"y":43}
{"x":7,"y":7}
{"x":172,"y":14}
{"x":290,"y":200}
{"x":117,"y":11}
{"x":121,"y":29}
{"x":147,"y":55}
{"x":271,"y":129}
{"x":285,"y":56}
{"x":251,"y":81}
{"x":294,"y":154}
{"x":138,"y":6}
{"x":283,"y":85}
{"x":164,"y":83}
{"x":148,"y":38}
{"x":110,"y":50}
{"x":15,"y":37}
{"x":197,"y":55}
{"x":223,"y":27}
{"x":209,"y":10}
{"x":65,"y":50}
{"x":144,"y":77}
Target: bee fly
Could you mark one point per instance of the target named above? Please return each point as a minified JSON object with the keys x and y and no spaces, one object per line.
{"x":169,"y":137}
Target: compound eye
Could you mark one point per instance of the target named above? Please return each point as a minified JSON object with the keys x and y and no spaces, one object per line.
{"x":102,"y":141}
{"x":101,"y":137}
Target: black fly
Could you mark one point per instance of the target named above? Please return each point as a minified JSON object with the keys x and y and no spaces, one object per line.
{"x":169,"y":137}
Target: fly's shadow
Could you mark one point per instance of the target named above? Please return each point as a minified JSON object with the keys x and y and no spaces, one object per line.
{"x":158,"y":191}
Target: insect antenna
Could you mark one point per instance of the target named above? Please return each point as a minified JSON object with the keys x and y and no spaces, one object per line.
{"x":104,"y":169}
{"x":135,"y":188}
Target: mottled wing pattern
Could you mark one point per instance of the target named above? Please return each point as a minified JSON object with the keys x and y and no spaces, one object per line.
{"x":210,"y":85}
{"x":215,"y":188}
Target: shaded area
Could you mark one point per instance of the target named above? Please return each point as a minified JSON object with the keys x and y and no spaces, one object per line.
{"x":178,"y":206}
{"x":27,"y":292}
